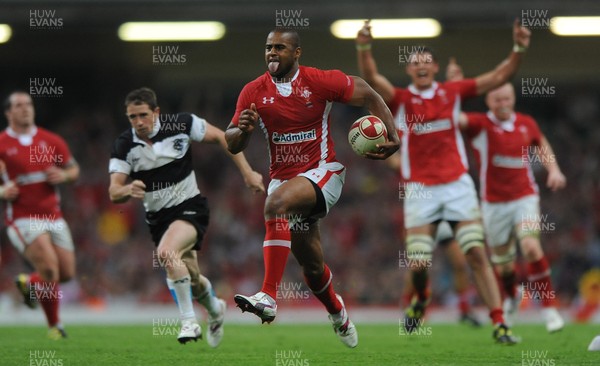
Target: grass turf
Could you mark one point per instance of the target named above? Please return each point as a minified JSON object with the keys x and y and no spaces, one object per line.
{"x":295,"y":345}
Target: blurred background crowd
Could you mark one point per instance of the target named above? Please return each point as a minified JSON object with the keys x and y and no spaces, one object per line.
{"x":362,"y":235}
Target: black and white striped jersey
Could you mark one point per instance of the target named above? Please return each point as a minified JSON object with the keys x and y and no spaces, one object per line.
{"x":165,"y":167}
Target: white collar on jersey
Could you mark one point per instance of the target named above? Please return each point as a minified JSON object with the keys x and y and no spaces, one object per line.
{"x":155,"y":130}
{"x":507,"y":125}
{"x":285,"y":88}
{"x":425,"y":94}
{"x":25,"y":139}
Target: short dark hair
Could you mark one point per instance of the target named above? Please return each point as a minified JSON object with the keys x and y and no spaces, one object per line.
{"x":295,"y":37}
{"x":142,"y":96}
{"x":424,"y":49}
{"x":7,"y":104}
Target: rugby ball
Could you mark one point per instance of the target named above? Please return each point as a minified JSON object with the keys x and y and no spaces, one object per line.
{"x":365,"y":133}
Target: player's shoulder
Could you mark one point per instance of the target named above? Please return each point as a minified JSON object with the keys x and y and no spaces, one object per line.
{"x":42,"y":132}
{"x":524,"y":118}
{"x":478,"y":116}
{"x":456,"y":84}
{"x":260,"y":82}
{"x":314,"y":72}
{"x":182,"y":123}
{"x":124,"y":142}
{"x":48,"y":135}
{"x":185,"y":118}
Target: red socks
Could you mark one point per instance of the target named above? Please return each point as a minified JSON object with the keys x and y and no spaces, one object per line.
{"x":497,"y":316}
{"x":47,"y":295}
{"x":322,"y":288}
{"x":463,"y":302}
{"x":276,"y":249}
{"x":538,"y":275}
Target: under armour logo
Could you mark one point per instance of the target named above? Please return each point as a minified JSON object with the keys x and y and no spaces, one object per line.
{"x":270,"y":100}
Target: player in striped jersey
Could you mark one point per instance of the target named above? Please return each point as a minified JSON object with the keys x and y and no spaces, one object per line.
{"x":152,"y":162}
{"x":434,"y":165}
{"x":291,"y":104}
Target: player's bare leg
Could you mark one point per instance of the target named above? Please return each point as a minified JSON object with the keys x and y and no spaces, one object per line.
{"x":177,"y":240}
{"x":294,"y":198}
{"x":538,"y":276}
{"x":460,"y":276}
{"x":42,"y":285}
{"x":306,"y":246}
{"x":204,"y":293}
{"x":503,"y":257}
{"x":469,"y":234}
{"x":419,"y":247}
{"x":407,"y":290}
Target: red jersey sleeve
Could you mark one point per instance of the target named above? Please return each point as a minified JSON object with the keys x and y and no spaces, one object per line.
{"x":475,"y":122}
{"x":466,"y":88}
{"x":396,"y":100}
{"x":536,"y":134}
{"x":63,"y":154}
{"x":243,"y":102}
{"x":337,"y":86}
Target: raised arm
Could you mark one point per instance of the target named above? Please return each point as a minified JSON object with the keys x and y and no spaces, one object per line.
{"x":253,"y":179}
{"x":365,"y":96}
{"x":556,"y":180}
{"x":368,"y":67}
{"x":508,"y":67}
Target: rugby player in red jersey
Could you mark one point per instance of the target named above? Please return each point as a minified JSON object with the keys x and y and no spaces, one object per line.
{"x":506,"y":144}
{"x":434,"y":166}
{"x":36,"y":161}
{"x":291,"y":105}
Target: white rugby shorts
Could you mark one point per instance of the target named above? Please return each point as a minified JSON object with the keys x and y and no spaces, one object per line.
{"x":329,"y":177}
{"x":454,"y":201}
{"x":22,"y":232}
{"x":501,"y":219}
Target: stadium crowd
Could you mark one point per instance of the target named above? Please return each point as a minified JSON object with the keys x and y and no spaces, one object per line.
{"x":362,"y":235}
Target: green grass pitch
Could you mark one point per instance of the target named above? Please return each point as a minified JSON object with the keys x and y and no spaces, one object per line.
{"x":295,"y":345}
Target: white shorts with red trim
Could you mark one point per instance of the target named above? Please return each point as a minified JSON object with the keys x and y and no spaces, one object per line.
{"x":454,"y":201}
{"x":329,"y":177}
{"x":22,"y":232}
{"x":502,"y":220}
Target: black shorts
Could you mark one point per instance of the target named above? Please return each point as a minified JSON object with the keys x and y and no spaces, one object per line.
{"x":195,"y":211}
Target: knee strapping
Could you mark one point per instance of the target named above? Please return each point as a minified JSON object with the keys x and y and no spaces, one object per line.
{"x":470,"y":236}
{"x":419,"y":246}
{"x":504,"y":258}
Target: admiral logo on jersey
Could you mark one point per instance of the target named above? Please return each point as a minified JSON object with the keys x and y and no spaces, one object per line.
{"x":293,"y":138}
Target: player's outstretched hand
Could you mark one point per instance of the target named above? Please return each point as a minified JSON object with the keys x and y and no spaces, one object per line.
{"x":454,"y":71}
{"x":556,"y":180}
{"x":521,"y":35}
{"x":364,"y":35}
{"x":137,"y":189}
{"x":248,"y":119}
{"x":254,"y":181}
{"x":386,"y":150}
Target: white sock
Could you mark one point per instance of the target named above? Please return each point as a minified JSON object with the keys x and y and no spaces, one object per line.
{"x":181,"y":289}
{"x":208,"y":299}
